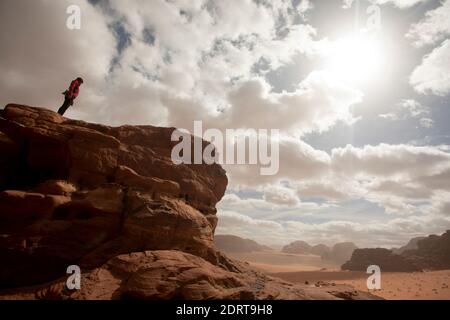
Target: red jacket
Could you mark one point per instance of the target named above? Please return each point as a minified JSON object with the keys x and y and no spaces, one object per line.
{"x":74,"y":89}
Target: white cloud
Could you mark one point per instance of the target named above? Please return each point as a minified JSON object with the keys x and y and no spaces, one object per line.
{"x":426,"y":122}
{"x":434,"y":28}
{"x":389,"y":116}
{"x":433,"y":75}
{"x":400,"y":178}
{"x":414,"y":108}
{"x":281,"y":195}
{"x":443,"y":203}
{"x":232,"y":220}
{"x":39,"y":58}
{"x":402,"y":4}
{"x":407,"y":108}
{"x":330,"y":187}
{"x":275,"y":199}
{"x":298,"y":161}
{"x":393,"y":161}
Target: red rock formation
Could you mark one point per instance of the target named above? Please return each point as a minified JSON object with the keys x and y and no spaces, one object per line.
{"x":111,"y":201}
{"x":84,"y":193}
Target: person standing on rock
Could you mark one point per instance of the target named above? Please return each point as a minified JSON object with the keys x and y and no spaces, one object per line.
{"x":70,"y":95}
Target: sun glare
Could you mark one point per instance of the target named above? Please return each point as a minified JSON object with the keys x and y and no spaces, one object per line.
{"x":357,"y":59}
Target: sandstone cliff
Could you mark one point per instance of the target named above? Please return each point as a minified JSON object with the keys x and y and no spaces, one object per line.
{"x":111,"y":201}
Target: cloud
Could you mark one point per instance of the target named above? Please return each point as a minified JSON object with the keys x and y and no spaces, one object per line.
{"x":281,"y":195}
{"x":297,"y":161}
{"x":389,"y":161}
{"x":402,"y":4}
{"x":406,"y":109}
{"x":402,"y":179}
{"x":426,"y":122}
{"x":326,"y":189}
{"x":233,"y":220}
{"x":316,"y":105}
{"x":443,"y":204}
{"x":433,"y":75}
{"x":40,"y":58}
{"x":271,"y":199}
{"x":389,"y":116}
{"x":414,"y":108}
{"x":432,"y":29}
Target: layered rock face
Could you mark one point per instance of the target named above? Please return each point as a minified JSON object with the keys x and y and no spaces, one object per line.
{"x":74,"y":192}
{"x":111,"y":201}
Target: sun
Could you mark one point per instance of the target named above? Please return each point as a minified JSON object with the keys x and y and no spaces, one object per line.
{"x":357,"y":59}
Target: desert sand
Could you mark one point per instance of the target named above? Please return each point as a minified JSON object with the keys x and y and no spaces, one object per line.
{"x":275,"y":261}
{"x":394,"y":285}
{"x":311,"y":270}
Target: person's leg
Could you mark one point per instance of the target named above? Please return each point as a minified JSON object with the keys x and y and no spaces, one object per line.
{"x":64,"y":107}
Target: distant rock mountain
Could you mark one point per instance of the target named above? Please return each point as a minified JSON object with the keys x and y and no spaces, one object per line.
{"x":433,"y":252}
{"x":230,"y":243}
{"x":341,"y":252}
{"x":297,"y":247}
{"x":320,"y":250}
{"x":384,"y":258}
{"x":411,"y":245}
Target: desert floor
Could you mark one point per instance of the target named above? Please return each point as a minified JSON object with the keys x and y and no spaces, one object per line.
{"x":311,"y":269}
{"x":274,"y":261}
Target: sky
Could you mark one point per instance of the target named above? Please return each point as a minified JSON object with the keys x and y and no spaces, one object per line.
{"x":360,"y":91}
